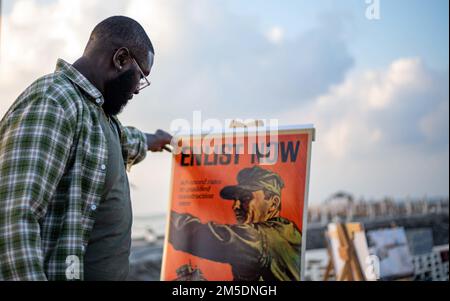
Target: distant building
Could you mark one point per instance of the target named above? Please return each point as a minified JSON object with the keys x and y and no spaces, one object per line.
{"x":343,"y":207}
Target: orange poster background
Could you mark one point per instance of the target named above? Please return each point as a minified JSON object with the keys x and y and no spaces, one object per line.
{"x":294,"y":175}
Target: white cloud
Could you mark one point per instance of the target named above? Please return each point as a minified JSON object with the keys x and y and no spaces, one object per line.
{"x":34,"y":36}
{"x":275,"y":34}
{"x":434,"y":125}
{"x":381,"y":132}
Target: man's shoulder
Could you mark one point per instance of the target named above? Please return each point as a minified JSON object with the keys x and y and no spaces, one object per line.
{"x":281,"y":224}
{"x":51,"y":89}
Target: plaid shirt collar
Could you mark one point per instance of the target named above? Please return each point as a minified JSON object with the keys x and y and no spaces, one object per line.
{"x":80,"y":80}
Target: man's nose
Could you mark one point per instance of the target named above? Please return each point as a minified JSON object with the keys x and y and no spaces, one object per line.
{"x":236,"y":204}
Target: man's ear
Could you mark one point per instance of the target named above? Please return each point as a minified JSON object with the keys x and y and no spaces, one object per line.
{"x":274,"y":203}
{"x":120,"y":58}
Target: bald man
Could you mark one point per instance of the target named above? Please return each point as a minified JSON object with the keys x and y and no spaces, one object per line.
{"x":65,"y":209}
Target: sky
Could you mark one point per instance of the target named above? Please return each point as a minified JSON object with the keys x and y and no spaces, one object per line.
{"x":376,"y":90}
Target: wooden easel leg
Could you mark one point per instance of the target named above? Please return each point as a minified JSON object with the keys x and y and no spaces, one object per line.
{"x":326,"y":276}
{"x":346,"y":273}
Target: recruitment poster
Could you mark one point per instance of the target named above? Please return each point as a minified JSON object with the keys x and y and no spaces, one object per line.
{"x":239,"y":213}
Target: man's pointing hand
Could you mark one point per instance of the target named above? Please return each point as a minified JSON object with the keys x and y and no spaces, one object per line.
{"x":158,"y":141}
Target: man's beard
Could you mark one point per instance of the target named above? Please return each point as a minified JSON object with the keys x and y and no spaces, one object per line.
{"x":117,"y":92}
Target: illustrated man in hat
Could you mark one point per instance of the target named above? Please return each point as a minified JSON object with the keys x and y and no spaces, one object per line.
{"x":261,"y":246}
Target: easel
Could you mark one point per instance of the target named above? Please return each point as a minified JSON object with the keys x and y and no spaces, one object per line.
{"x":240,"y":124}
{"x":351,"y":270}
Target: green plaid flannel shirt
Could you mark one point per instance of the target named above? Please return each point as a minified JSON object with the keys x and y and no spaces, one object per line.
{"x":53,"y":157}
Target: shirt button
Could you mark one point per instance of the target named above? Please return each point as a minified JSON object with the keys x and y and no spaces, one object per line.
{"x":103,"y":166}
{"x":98,"y":100}
{"x":93,"y":207}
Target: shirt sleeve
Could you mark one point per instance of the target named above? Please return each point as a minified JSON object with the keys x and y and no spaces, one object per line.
{"x":239,"y":245}
{"x":35,"y":143}
{"x":134,"y":145}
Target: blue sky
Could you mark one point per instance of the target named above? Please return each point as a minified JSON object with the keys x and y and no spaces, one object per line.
{"x":411,"y":28}
{"x":377,"y":91}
